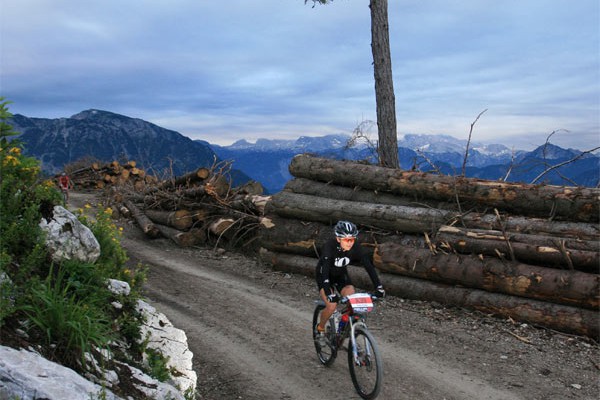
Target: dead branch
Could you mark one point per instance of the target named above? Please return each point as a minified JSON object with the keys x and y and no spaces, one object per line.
{"x":563,"y":163}
{"x":464,"y":166}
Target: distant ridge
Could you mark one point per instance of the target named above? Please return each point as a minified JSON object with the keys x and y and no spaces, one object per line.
{"x":108,"y":136}
{"x":267,"y":160}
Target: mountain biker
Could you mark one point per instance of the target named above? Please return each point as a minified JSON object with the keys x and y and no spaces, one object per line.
{"x":65,"y":183}
{"x":332,"y":272}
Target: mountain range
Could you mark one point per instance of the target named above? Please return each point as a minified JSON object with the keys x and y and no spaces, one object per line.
{"x":267,"y":160}
{"x":107,"y":136}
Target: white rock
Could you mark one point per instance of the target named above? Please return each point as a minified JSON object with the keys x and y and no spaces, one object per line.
{"x":27,"y":375}
{"x":69,"y":239}
{"x":119,"y":287}
{"x":171,"y":342}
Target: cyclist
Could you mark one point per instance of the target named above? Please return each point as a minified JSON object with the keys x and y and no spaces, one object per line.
{"x":332,"y":272}
{"x":65,"y":184}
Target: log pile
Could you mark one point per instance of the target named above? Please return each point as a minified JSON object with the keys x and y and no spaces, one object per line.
{"x":198,"y":208}
{"x":97,"y":176}
{"x":526,"y":252}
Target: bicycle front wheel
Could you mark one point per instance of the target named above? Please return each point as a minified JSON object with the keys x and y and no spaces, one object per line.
{"x":326,"y":352}
{"x":364,"y":361}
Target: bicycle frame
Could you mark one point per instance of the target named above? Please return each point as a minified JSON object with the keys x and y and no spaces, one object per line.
{"x":354,"y":320}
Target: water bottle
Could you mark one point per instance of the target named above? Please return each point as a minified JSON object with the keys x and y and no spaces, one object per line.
{"x":343,"y":323}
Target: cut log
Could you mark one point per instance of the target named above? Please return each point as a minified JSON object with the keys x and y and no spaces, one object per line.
{"x":181,"y":238}
{"x":139,"y":186}
{"x":221,"y":227}
{"x":531,"y":249}
{"x":329,"y":211}
{"x":415,"y":219}
{"x":573,"y":203}
{"x":558,"y":317}
{"x":144,"y":222}
{"x":198,"y":175}
{"x":534,"y":226}
{"x":251,"y":203}
{"x":194,"y":192}
{"x":306,"y":238}
{"x":218,"y":186}
{"x":180,"y":219}
{"x":251,"y":188}
{"x":294,"y":236}
{"x":534,"y":239}
{"x":331,"y":191}
{"x":573,"y":288}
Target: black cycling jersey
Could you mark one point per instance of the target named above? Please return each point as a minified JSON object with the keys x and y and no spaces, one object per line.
{"x":332,"y":266}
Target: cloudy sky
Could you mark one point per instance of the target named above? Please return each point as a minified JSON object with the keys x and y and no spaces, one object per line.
{"x":226,"y":70}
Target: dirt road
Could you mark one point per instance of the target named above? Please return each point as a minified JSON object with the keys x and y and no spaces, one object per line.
{"x":249,"y":329}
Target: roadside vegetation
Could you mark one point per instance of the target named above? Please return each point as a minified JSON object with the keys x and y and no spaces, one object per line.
{"x":62,"y":309}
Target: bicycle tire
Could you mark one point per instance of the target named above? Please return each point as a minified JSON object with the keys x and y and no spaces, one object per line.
{"x":328,"y":353}
{"x":367,"y":376}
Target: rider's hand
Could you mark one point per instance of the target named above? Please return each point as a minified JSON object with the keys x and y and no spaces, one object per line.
{"x":333,"y":298}
{"x":379,"y":292}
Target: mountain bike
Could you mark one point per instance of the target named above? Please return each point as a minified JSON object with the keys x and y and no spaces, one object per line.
{"x":65,"y":196}
{"x":364,"y":360}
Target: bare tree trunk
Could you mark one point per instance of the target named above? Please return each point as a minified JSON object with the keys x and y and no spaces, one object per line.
{"x":384,"y":85}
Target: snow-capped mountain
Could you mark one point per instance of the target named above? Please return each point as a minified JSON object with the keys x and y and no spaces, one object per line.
{"x":267,"y":160}
{"x":303,"y":143}
{"x":108,"y":136}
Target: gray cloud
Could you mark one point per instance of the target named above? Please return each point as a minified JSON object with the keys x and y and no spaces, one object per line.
{"x":277,"y":68}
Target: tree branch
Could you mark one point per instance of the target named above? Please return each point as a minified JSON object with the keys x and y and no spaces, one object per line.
{"x":563,"y":163}
{"x":464,"y":166}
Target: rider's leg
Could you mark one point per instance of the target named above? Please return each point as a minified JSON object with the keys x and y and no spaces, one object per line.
{"x":330,"y":307}
{"x":347,"y":290}
{"x":327,"y":311}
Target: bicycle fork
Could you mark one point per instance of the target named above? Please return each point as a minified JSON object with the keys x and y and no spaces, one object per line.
{"x":367,"y":349}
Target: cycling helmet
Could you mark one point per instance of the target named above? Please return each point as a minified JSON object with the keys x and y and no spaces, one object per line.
{"x":344,"y":229}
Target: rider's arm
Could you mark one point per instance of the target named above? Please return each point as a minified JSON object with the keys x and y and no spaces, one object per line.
{"x":368,"y":264}
{"x":325,"y":266}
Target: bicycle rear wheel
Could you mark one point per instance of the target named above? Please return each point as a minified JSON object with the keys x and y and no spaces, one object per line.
{"x":366,"y":369}
{"x":327,"y":353}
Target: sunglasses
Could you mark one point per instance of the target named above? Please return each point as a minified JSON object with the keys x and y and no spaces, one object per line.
{"x":348,"y":240}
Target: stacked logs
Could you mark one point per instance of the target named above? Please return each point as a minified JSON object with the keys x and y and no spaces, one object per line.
{"x":526,"y":252}
{"x":197,"y":208}
{"x":99,"y":176}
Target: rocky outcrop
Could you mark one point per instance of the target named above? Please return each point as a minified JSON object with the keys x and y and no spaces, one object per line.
{"x":69,"y":239}
{"x":172,"y":343}
{"x":25,"y":374}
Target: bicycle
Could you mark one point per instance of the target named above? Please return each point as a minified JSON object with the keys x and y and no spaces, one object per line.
{"x":65,"y":196}
{"x":364,"y":360}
